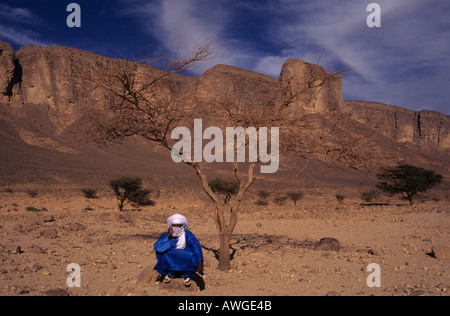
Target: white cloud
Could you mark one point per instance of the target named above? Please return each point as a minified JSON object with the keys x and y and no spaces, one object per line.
{"x":404,"y":63}
{"x":182,"y":26}
{"x":17,"y":14}
{"x":21,"y":38}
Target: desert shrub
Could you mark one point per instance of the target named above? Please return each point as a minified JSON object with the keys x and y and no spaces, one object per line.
{"x":32,"y":194}
{"x":409,"y":181}
{"x":263,"y":194}
{"x":370,"y":196}
{"x":10,"y":191}
{"x":224,"y":187}
{"x":340,"y":198}
{"x":129,"y":189}
{"x":280,"y":199}
{"x":295,"y":196}
{"x":90,"y":193}
{"x":140,"y":198}
{"x":34,"y":209}
{"x":262,"y":202}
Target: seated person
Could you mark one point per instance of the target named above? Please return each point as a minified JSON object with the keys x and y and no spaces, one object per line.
{"x":178,"y":251}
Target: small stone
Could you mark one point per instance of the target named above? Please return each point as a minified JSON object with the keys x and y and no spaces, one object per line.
{"x":417,"y":293}
{"x":14,"y":250}
{"x":56,"y":292}
{"x":111,"y":266}
{"x":48,"y":218}
{"x":49,"y":234}
{"x":328,"y":244}
{"x":441,"y":252}
{"x":76,"y":227}
{"x":18,"y":228}
{"x":37,"y":249}
{"x":443,"y":287}
{"x":148,"y":275}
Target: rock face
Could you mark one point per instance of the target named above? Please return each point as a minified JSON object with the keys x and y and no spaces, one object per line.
{"x":424,"y":128}
{"x":326,"y":97}
{"x":9,"y":71}
{"x":46,"y":91}
{"x":51,"y":76}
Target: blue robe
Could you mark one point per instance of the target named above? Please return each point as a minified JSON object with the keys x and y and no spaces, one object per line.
{"x":175,"y":260}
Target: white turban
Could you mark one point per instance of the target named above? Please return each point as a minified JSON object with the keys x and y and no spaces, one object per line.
{"x":178,"y":219}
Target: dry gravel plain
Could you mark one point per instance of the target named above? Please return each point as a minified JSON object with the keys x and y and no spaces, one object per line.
{"x":274,"y":246}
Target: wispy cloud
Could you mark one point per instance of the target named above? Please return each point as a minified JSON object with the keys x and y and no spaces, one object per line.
{"x":15,"y":24}
{"x":21,"y":38}
{"x":17,"y":14}
{"x":182,"y":26}
{"x":405,"y":62}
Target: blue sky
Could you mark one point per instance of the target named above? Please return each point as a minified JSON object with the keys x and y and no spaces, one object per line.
{"x":406,"y":62}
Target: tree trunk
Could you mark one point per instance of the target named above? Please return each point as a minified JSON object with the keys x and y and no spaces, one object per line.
{"x":225,"y":252}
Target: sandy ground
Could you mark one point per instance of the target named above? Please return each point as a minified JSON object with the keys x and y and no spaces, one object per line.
{"x":274,"y":256}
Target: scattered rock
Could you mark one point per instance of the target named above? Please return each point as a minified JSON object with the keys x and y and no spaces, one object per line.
{"x":111,"y":266}
{"x":374,"y":252}
{"x":147,"y":276}
{"x":328,"y":244}
{"x":35,"y":267}
{"x":22,"y":291}
{"x":76,"y":227}
{"x":417,"y":293}
{"x":18,"y":228}
{"x":37,"y":249}
{"x":441,"y":252}
{"x":48,"y":218}
{"x":14,"y":250}
{"x":49,"y":234}
{"x":56,"y":292}
{"x":332,"y":293}
{"x":443,"y":287}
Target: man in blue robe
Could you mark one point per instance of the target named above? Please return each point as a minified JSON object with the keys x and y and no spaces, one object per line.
{"x":178,"y":251}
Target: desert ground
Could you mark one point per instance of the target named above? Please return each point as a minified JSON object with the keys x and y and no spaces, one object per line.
{"x":275,"y":246}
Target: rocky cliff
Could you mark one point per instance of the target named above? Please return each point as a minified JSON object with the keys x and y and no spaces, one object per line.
{"x":43,"y":98}
{"x":424,"y":128}
{"x":47,"y":76}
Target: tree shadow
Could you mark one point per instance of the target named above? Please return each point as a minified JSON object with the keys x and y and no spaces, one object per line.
{"x":261,"y":242}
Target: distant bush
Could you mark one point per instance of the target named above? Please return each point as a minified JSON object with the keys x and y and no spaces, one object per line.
{"x":9,"y":191}
{"x":140,"y":198}
{"x":90,"y":193}
{"x":128,"y":189}
{"x":370,"y":196}
{"x":296,"y":196}
{"x":263,"y":194}
{"x":263,"y":198}
{"x":408,"y":181}
{"x":262,"y":203}
{"x":32,"y":194}
{"x":34,"y":209}
{"x":280,"y":199}
{"x":340,"y":198}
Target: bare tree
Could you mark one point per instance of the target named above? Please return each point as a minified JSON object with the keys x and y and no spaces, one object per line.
{"x":150,"y":102}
